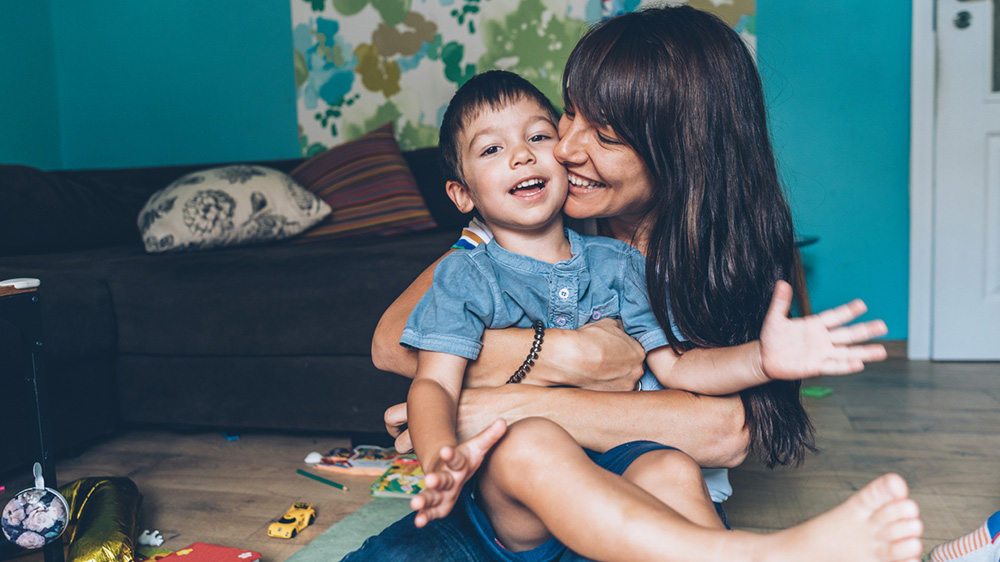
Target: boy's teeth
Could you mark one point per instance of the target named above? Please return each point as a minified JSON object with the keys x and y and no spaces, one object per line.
{"x":528,"y":183}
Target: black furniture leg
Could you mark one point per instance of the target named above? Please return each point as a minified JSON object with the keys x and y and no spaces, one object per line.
{"x":21,"y":307}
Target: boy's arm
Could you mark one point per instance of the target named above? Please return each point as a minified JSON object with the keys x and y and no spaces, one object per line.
{"x":788,"y":349}
{"x":432,"y":405}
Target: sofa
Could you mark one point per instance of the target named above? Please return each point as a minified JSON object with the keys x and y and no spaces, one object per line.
{"x":273,"y":336}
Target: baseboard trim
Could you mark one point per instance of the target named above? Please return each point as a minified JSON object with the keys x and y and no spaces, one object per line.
{"x":896,"y":349}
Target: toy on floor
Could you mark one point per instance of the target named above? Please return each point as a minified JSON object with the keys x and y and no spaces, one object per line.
{"x":36,"y":516}
{"x":150,"y":539}
{"x":298,"y":517}
{"x":103,"y":516}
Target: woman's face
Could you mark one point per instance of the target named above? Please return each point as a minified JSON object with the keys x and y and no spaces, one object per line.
{"x":607,"y":178}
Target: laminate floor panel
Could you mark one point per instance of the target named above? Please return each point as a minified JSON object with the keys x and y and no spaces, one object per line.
{"x":936,"y":424}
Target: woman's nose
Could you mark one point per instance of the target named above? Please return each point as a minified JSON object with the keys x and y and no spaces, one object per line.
{"x":569,"y":149}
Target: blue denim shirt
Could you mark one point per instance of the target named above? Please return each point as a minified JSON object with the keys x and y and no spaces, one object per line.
{"x":486,"y":286}
{"x":489,"y":287}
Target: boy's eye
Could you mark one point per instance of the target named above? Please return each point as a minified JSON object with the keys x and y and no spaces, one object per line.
{"x":539,"y":138}
{"x":490,"y":150}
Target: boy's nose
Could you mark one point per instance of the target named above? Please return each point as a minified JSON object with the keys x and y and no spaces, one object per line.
{"x":521,"y":156}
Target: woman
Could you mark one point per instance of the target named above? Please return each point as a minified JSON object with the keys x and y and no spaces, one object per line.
{"x":666,"y":142}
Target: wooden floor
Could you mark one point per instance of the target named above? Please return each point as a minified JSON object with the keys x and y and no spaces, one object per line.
{"x":937,"y":424}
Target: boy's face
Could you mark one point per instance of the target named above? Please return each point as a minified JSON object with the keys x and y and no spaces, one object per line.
{"x":511,"y":176}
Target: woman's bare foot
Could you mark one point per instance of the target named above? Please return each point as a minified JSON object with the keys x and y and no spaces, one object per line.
{"x":879,"y":523}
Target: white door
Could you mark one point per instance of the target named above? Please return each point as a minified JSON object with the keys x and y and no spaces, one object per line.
{"x":966,"y":200}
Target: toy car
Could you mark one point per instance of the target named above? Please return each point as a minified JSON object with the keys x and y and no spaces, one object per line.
{"x":298,"y":517}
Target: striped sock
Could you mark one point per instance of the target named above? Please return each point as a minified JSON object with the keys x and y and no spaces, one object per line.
{"x":981,"y":545}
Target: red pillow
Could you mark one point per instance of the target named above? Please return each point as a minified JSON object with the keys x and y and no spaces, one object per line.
{"x":369,"y":187}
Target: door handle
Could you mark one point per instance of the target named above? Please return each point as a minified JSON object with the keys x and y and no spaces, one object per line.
{"x":962,"y":19}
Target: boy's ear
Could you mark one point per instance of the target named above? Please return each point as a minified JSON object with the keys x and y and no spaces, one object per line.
{"x":459,"y":195}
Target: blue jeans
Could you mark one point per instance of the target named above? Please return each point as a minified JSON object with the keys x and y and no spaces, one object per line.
{"x":451,"y":539}
{"x":456,"y":538}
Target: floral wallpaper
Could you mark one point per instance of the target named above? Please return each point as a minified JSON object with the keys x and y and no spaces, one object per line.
{"x":361,"y":63}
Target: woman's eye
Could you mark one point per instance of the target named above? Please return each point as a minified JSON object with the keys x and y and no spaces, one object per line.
{"x":604,"y":139}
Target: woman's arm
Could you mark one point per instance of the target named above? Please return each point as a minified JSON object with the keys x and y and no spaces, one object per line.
{"x":708,"y":428}
{"x":570,"y":358}
{"x":387,"y":354}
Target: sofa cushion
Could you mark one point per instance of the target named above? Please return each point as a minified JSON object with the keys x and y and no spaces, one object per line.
{"x":279,"y":299}
{"x":368,"y":185}
{"x":228,"y":206}
{"x":48,"y":212}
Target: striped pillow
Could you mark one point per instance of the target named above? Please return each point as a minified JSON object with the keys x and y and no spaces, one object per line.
{"x":369,"y":187}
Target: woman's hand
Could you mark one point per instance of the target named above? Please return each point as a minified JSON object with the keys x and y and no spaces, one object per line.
{"x":478,"y":409}
{"x":606,"y":357}
{"x":819,"y":344}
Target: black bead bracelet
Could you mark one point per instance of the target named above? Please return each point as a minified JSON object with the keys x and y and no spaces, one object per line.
{"x":536,"y":346}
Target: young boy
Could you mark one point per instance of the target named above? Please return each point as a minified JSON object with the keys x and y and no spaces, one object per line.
{"x":497,"y":140}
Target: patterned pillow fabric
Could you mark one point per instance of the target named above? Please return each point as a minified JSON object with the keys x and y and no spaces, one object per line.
{"x":369,"y":187}
{"x":228,"y":206}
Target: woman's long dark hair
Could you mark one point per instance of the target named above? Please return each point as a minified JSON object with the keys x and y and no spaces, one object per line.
{"x":681,"y":88}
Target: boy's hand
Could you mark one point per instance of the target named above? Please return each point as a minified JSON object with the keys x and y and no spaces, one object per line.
{"x":452,"y":471}
{"x":820,"y":344}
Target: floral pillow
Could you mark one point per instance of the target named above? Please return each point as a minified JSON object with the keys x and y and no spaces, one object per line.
{"x":228,"y":206}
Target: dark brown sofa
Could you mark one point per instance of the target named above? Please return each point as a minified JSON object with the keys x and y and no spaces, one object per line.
{"x":274,"y":336}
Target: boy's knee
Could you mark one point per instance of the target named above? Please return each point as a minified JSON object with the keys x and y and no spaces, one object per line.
{"x":525,"y":444}
{"x":676,"y":466}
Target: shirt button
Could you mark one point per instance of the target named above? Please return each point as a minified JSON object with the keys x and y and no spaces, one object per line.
{"x":596,"y":315}
{"x":564,"y":293}
{"x":561,"y":321}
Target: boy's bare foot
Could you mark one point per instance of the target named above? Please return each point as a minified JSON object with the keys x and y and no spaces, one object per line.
{"x":879,"y":523}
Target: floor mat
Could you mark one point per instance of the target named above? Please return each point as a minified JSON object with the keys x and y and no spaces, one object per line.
{"x":347,"y":535}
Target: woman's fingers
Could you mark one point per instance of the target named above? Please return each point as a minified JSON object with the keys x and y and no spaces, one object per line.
{"x":395,"y":419}
{"x":843,"y":314}
{"x":781,"y":300}
{"x":857,"y":333}
{"x":852,"y":359}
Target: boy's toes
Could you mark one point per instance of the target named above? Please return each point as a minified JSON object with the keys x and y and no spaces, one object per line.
{"x":904,"y":550}
{"x":905,"y":529}
{"x":893,"y":485}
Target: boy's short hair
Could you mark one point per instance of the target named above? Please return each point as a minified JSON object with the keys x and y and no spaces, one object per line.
{"x":493,"y":89}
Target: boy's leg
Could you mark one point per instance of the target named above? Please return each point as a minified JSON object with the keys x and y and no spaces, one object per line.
{"x":541,"y":471}
{"x":540,"y":483}
{"x":451,"y":539}
{"x":675,"y":479}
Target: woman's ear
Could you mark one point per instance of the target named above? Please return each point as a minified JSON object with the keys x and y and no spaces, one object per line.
{"x":459,"y":195}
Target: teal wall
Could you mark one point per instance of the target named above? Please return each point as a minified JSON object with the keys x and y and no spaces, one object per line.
{"x":164,"y":82}
{"x":29,"y":116}
{"x":174,"y":81}
{"x":837,"y":75}
{"x":189,"y":81}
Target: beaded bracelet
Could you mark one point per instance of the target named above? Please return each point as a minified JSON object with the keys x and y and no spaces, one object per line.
{"x":536,"y":346}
